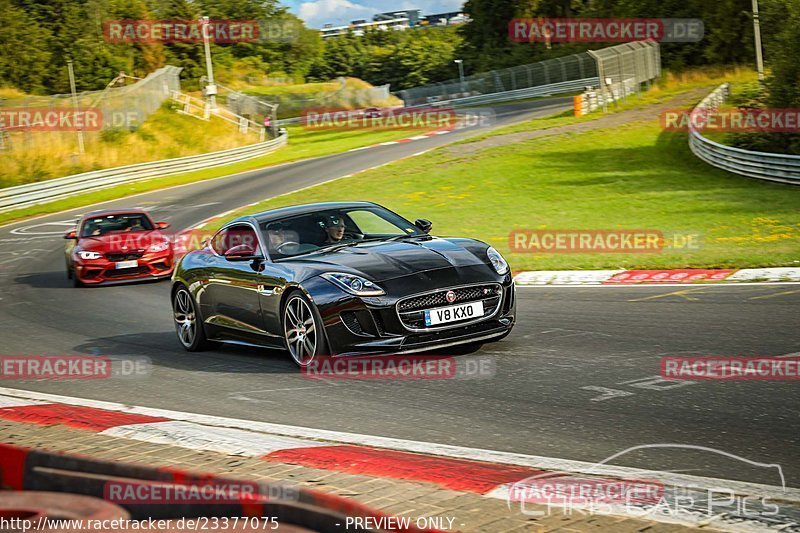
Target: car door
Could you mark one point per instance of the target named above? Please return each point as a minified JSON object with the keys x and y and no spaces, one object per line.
{"x":232,"y":293}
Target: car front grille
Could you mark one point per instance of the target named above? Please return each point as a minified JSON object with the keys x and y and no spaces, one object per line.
{"x":124,"y":256}
{"x":412,"y":310}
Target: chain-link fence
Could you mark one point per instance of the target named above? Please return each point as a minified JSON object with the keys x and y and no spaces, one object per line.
{"x":121,"y":106}
{"x":38,"y":122}
{"x":624,"y":68}
{"x":290,"y":105}
{"x":561,"y":69}
{"x":633,"y":63}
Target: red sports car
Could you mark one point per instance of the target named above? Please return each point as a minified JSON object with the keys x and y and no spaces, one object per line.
{"x":116,"y":247}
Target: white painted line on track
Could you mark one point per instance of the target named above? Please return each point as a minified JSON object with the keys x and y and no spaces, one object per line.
{"x":230,"y":441}
{"x":10,"y":401}
{"x":445,"y":450}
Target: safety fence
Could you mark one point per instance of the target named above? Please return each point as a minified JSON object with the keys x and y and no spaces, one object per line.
{"x":609,"y":69}
{"x":623,"y":69}
{"x":760,"y":165}
{"x":47,"y":191}
{"x":123,"y":107}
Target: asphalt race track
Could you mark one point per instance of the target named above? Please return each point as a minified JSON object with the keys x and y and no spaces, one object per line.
{"x":577,"y":379}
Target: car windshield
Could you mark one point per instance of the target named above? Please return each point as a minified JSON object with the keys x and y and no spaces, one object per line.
{"x":121,"y":222}
{"x":333,"y":228}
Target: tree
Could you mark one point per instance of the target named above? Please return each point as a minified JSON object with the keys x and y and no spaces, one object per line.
{"x":25,"y":58}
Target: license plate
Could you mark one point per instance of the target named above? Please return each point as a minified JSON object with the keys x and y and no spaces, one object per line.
{"x":453,"y":313}
{"x":128,"y":264}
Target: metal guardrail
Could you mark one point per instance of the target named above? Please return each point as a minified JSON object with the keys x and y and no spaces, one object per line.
{"x":22,"y":196}
{"x":760,"y":165}
{"x":519,"y":94}
{"x":506,"y":96}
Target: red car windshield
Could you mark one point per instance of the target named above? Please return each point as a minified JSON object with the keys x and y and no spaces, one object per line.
{"x":123,"y":222}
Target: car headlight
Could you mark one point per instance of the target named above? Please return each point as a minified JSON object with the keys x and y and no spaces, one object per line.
{"x":499,"y":264}
{"x":354,"y":284}
{"x":85,"y":254}
{"x":159,"y":246}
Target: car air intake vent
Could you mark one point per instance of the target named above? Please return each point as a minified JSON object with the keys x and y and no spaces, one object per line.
{"x":351,"y":322}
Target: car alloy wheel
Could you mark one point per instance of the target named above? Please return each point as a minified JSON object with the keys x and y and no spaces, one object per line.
{"x":301,"y":330}
{"x":185,"y":318}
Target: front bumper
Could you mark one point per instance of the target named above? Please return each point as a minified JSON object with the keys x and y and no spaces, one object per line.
{"x":373,"y":325}
{"x":155,"y":265}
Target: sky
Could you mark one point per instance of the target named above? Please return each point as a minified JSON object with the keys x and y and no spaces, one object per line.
{"x":316,"y":13}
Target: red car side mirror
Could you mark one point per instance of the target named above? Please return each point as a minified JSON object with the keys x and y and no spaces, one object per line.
{"x":162,"y":225}
{"x":71,"y":235}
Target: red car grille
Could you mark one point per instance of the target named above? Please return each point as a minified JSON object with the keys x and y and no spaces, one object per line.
{"x":124,"y":256}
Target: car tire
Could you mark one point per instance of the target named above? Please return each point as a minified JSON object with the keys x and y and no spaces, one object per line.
{"x":188,"y":322}
{"x":76,"y":281}
{"x":303,"y":333}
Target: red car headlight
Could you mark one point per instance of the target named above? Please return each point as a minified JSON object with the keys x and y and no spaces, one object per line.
{"x":88,"y":255}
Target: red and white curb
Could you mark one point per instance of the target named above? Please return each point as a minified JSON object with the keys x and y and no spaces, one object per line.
{"x":485,"y":472}
{"x":657,"y":277}
{"x":401,"y":141}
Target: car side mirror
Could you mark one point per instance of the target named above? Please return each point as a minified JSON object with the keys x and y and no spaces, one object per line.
{"x":243,"y":252}
{"x":424,"y":224}
{"x":162,"y":225}
{"x":71,"y":235}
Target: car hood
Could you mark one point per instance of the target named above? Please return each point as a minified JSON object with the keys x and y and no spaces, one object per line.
{"x":381,"y":261}
{"x":115,"y":242}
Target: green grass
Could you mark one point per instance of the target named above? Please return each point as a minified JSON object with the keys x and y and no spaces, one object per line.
{"x":303,"y":144}
{"x":634,"y":177}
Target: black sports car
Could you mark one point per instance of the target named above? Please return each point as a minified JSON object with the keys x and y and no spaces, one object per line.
{"x":340,"y":279}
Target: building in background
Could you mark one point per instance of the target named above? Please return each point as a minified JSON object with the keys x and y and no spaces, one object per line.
{"x":396,"y":20}
{"x":357,"y":27}
{"x":413,"y":16}
{"x":444,"y":19}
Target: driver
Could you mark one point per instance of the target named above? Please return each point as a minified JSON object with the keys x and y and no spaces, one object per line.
{"x":276,"y":234}
{"x":334,"y":229}
{"x":135,"y":225}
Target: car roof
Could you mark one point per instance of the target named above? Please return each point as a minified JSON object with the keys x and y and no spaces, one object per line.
{"x":304,"y":209}
{"x":107,"y":212}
